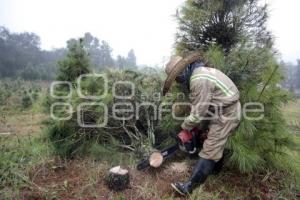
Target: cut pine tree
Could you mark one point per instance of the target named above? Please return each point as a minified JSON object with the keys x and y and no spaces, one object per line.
{"x":156,"y":159}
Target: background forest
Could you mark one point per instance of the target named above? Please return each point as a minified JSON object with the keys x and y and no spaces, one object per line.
{"x":22,"y":56}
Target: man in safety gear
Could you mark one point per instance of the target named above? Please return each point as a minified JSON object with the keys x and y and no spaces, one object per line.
{"x":211,"y":91}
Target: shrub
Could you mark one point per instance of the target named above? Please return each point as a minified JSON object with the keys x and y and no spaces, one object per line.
{"x":26,"y":100}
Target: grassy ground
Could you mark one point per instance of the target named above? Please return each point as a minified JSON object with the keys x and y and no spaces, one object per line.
{"x":292,"y":114}
{"x":28,"y":170}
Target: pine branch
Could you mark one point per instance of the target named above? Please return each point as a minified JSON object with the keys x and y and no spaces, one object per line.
{"x":268,"y":81}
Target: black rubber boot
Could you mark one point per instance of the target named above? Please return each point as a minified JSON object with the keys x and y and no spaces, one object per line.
{"x":202,"y":169}
{"x":218,"y":166}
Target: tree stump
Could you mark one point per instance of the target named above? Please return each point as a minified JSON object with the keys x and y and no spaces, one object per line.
{"x":117,"y":179}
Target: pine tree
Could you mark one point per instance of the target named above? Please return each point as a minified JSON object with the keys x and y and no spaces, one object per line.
{"x":70,"y":138}
{"x":105,"y":55}
{"x":26,"y":100}
{"x":62,"y":133}
{"x":76,"y":62}
{"x":234,"y":37}
{"x":221,"y":22}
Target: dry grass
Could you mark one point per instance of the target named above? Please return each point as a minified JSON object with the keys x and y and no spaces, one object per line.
{"x":292,"y":113}
{"x":22,"y":123}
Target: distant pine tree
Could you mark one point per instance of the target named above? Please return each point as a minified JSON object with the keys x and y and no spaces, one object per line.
{"x":234,"y":36}
{"x":297,"y":75}
{"x":26,"y":100}
{"x":131,"y":59}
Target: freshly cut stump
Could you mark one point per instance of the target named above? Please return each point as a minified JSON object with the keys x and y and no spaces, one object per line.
{"x":117,"y":179}
{"x":156,"y":159}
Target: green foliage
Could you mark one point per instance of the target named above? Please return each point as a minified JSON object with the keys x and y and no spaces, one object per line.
{"x":18,"y":93}
{"x":26,"y":100}
{"x":66,"y":141}
{"x":35,"y":95}
{"x":64,"y":138}
{"x":225,"y":23}
{"x":4,"y":93}
{"x":17,"y":156}
{"x":256,"y":144}
{"x":136,"y":134}
{"x":75,"y":64}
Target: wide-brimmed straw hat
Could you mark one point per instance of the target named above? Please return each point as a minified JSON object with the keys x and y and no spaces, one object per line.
{"x":176,"y":66}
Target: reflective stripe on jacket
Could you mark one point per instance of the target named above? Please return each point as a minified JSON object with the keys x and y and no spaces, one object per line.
{"x":208,"y":87}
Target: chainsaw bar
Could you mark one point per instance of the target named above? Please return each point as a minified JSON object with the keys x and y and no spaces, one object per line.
{"x":166,"y":153}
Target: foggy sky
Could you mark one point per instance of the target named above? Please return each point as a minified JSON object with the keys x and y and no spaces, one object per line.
{"x":148,"y":27}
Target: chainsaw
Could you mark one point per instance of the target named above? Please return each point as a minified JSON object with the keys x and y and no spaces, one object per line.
{"x":186,"y":141}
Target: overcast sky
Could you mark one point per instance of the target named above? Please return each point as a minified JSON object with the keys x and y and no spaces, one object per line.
{"x":146,"y":26}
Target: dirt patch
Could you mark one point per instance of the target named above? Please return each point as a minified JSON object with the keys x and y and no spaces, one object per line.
{"x":85,"y":179}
